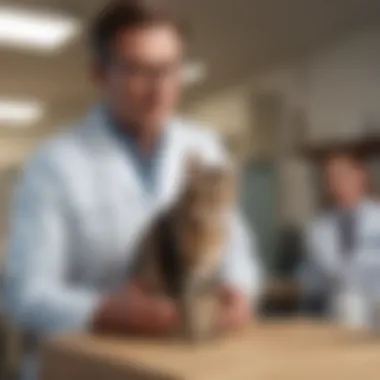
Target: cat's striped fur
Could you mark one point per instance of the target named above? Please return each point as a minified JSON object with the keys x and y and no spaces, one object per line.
{"x":181,"y":255}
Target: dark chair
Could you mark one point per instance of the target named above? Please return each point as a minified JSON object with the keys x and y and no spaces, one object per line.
{"x":282,"y":296}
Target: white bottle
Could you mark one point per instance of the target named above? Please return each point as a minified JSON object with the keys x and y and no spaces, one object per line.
{"x":352,"y":310}
{"x":351,"y":303}
{"x":375,"y":323}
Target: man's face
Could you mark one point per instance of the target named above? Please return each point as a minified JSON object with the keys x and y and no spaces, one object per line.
{"x":346,"y":180}
{"x":142,"y":79}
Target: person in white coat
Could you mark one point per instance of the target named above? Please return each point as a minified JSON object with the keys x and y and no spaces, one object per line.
{"x":86,"y":196}
{"x":345,"y":236}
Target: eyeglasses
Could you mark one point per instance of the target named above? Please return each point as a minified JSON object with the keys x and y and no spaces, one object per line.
{"x":148,"y":73}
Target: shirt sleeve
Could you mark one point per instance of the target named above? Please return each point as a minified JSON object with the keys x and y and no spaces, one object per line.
{"x":241,"y":266}
{"x":39,"y":299}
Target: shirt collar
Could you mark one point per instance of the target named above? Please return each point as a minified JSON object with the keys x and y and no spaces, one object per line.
{"x":360,"y":206}
{"x":128,"y":140}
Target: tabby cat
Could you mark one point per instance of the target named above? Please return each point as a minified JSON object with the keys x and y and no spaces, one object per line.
{"x":181,"y":255}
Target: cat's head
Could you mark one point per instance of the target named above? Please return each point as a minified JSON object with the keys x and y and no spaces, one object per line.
{"x":210,"y":189}
{"x":208,"y":198}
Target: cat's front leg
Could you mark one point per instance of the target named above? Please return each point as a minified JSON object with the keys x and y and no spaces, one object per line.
{"x":200,"y":308}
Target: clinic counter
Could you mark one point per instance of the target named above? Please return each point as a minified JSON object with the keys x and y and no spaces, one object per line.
{"x":294,"y":350}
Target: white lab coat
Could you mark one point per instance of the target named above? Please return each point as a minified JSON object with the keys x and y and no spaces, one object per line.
{"x":80,"y":209}
{"x":327,"y":271}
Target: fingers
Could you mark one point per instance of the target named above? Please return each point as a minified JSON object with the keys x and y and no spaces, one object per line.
{"x":147,"y":315}
{"x":164,"y":315}
{"x":229,"y":294}
{"x":235,"y":310}
{"x":233,"y":318}
{"x":139,"y":285}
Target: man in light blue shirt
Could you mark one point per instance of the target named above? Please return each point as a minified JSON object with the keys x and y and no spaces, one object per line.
{"x":86,"y":197}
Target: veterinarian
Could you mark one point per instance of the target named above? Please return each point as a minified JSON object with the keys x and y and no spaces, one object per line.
{"x":343,"y":240}
{"x":87,"y":195}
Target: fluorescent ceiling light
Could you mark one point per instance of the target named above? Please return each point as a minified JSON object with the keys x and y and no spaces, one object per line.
{"x":193,"y":73}
{"x":20,"y":113}
{"x":35,"y":30}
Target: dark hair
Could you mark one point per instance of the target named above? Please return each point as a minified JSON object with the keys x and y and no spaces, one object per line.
{"x":128,"y":14}
{"x":356,"y":156}
{"x":326,"y":201}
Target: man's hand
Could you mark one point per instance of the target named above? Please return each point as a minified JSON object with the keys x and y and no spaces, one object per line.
{"x":134,"y":311}
{"x":235,"y":309}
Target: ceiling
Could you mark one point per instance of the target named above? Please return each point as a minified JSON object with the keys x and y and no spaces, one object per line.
{"x":234,"y":38}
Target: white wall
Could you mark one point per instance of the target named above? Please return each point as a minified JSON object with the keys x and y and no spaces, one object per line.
{"x":337,"y":86}
{"x":225,"y":111}
{"x":344,"y":85}
{"x":14,"y":151}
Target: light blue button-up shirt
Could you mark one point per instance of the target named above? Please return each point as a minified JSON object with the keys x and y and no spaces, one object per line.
{"x":144,"y":164}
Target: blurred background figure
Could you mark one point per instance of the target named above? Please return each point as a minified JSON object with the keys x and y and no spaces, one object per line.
{"x":267,"y":75}
{"x":345,"y":232}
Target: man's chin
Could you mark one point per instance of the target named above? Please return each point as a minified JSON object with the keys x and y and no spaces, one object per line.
{"x":153,"y":124}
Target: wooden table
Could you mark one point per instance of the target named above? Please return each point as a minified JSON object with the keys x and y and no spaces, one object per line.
{"x":295,"y":350}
